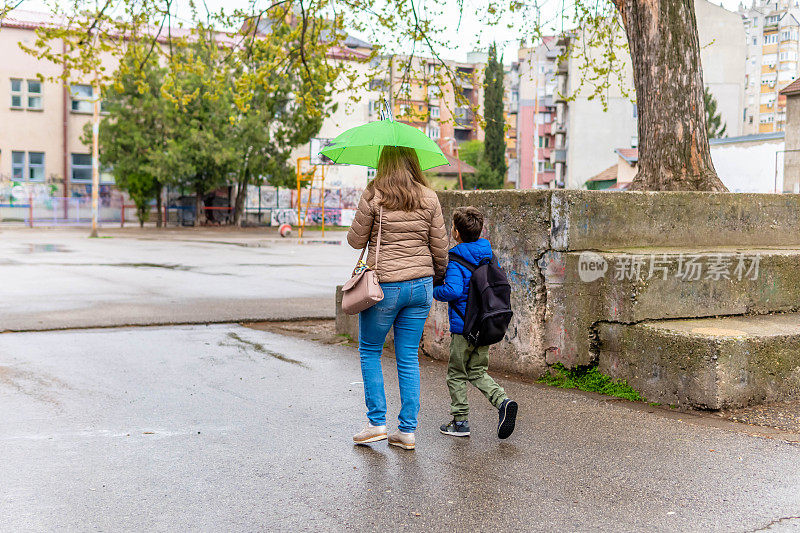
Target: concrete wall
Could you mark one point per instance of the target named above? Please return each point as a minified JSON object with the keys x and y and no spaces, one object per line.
{"x":592,"y":271}
{"x":749,"y":165}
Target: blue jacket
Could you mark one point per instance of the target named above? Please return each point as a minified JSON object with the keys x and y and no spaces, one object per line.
{"x":456,"y":280}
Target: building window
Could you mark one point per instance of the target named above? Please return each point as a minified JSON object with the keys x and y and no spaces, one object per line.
{"x":434,"y":92}
{"x":405,"y":88}
{"x":755,"y":22}
{"x":81,"y":165}
{"x":434,"y":111}
{"x":82,"y":98}
{"x":34,"y":94}
{"x":755,"y":41}
{"x":404,"y":109}
{"x":433,"y":131}
{"x":772,"y":38}
{"x":767,"y":119}
{"x":36,"y":166}
{"x":544,"y":141}
{"x":377,"y":85}
{"x":635,"y":111}
{"x":635,"y":141}
{"x":18,"y":166}
{"x":16,"y":93}
{"x":544,"y":166}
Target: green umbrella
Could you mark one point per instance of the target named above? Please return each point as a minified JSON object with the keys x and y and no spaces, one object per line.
{"x":362,"y":145}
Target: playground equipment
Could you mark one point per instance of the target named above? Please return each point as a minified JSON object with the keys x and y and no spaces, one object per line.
{"x":314,"y":176}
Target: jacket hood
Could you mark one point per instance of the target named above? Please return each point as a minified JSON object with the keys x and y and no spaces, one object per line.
{"x":474,"y":252}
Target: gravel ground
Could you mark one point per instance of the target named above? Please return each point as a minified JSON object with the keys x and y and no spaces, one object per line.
{"x":782,"y":415}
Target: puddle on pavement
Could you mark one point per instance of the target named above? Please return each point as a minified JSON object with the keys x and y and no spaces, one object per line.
{"x":258,"y":347}
{"x":43,"y":248}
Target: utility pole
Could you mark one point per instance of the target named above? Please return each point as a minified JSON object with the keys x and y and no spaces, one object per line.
{"x":95,"y":152}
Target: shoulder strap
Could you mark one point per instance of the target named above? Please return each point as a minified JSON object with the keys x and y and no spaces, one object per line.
{"x":461,"y":261}
{"x":378,"y":247}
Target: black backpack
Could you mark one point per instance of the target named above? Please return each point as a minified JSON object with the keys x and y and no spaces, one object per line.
{"x":488,"y":302}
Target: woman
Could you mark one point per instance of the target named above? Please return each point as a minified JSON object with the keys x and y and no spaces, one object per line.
{"x":413,"y":254}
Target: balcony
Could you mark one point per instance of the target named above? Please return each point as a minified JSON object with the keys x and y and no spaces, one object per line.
{"x":558,"y":156}
{"x":463,"y":117}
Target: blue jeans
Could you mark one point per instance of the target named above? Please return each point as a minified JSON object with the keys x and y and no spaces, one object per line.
{"x":405,"y":306}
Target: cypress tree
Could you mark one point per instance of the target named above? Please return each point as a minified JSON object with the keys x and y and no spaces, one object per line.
{"x":495,"y":142}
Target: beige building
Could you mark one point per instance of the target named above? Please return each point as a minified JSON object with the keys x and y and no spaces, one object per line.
{"x":41,"y":122}
{"x":773,"y":50}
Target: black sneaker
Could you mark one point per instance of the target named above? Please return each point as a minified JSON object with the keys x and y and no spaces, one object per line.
{"x":508,"y":417}
{"x":455,"y":428}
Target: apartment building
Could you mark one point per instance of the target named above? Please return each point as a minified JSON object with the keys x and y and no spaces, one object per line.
{"x":419,"y":100}
{"x":572,"y":138}
{"x":773,"y":47}
{"x":536,"y":97}
{"x":41,"y":122}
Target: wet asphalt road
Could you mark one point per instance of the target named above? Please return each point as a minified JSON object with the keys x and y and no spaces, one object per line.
{"x":58,"y":278}
{"x":224,"y":428}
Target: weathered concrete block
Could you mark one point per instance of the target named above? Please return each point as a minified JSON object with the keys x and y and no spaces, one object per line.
{"x":594,"y":220}
{"x":518,"y":225}
{"x":348,"y":324}
{"x":345,"y":324}
{"x":707,"y":363}
{"x":665,"y":255}
{"x":632,"y":287}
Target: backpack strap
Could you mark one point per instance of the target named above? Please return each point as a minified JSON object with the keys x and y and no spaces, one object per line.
{"x":469,"y":266}
{"x":461,"y":261}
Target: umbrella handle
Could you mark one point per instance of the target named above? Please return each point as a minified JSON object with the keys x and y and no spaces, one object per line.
{"x":386,"y":111}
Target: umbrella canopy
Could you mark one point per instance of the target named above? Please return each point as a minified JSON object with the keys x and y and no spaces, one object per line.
{"x":362,"y":145}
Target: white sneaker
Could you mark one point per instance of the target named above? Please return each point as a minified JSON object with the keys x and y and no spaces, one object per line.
{"x":370,"y":434}
{"x":402,"y":440}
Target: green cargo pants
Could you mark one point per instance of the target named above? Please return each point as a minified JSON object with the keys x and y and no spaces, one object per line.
{"x":469,"y":364}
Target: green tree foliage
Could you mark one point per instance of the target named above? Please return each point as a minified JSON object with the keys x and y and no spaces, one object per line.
{"x":495,"y":142}
{"x":714,"y":125}
{"x":485,"y":177}
{"x":134,"y":131}
{"x":89,"y":30}
{"x":471,"y":152}
{"x":275,"y":113}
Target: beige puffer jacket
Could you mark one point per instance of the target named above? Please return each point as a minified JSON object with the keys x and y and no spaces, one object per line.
{"x":413,"y":243}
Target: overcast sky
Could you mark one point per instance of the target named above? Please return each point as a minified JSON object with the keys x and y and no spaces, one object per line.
{"x":471,"y":34}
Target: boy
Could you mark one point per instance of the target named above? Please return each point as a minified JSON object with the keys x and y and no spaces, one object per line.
{"x":469,"y":363}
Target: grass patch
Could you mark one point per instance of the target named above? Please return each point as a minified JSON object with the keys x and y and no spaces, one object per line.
{"x":589,"y":378}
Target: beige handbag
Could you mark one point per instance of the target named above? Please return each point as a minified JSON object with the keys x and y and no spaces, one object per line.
{"x":363,"y":290}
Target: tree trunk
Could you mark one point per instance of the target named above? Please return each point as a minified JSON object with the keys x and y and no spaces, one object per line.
{"x":673,"y":144}
{"x":198,"y":206}
{"x":160,"y":222}
{"x":241,"y":194}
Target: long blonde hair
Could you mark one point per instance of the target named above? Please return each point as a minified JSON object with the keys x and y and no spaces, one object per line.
{"x":399,"y":179}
